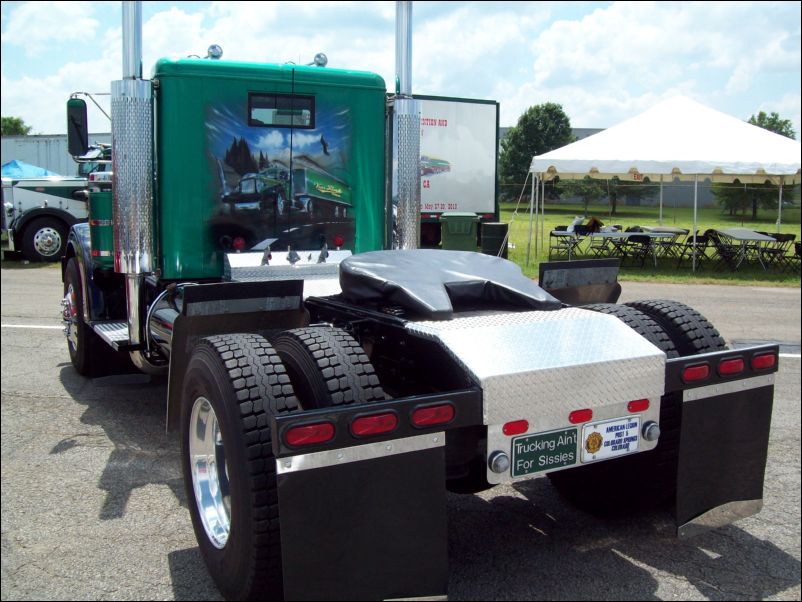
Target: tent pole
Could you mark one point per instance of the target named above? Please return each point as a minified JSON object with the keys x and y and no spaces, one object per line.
{"x":542,"y":214}
{"x":660,"y":219}
{"x":695,"y":198}
{"x":537,"y":203}
{"x":531,"y":216}
{"x":780,"y":207}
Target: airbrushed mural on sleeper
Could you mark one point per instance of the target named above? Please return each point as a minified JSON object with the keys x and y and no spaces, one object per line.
{"x":281,"y":186}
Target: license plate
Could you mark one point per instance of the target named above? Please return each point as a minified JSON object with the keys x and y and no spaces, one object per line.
{"x":543,"y":451}
{"x":610,"y":438}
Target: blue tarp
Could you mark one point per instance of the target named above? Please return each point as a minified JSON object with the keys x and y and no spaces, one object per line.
{"x":20,"y":169}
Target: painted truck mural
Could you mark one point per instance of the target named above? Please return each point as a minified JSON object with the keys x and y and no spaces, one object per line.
{"x":284,"y":177}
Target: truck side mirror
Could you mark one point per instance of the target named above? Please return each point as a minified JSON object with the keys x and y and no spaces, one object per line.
{"x":77,"y":127}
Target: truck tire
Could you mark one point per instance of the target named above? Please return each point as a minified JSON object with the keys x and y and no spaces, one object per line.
{"x":234,"y":384}
{"x":83,"y":343}
{"x":689,"y":330}
{"x":327,"y":367}
{"x":44,"y":239}
{"x":641,"y":323}
{"x":653,"y":472}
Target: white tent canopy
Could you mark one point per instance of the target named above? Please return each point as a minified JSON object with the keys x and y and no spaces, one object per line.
{"x":681,"y":138}
{"x":676,"y":138}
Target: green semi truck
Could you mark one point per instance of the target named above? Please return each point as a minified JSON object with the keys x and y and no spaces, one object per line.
{"x":327,"y":389}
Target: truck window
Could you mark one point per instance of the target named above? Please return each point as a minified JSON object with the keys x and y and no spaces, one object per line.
{"x":248,"y":186}
{"x":281,"y":110}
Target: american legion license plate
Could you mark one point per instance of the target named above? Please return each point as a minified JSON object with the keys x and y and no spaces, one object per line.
{"x":558,"y":449}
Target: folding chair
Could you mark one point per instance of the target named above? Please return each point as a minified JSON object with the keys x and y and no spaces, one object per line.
{"x":560,"y":245}
{"x":638,"y":246}
{"x":730,"y":255}
{"x":685,"y":249}
{"x":776,"y":253}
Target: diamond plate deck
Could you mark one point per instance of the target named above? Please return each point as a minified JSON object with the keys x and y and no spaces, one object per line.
{"x":546,"y":364}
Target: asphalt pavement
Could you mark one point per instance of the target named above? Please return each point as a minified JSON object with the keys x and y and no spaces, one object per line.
{"x":93,"y":505}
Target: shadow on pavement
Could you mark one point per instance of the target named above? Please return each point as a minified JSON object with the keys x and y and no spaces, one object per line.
{"x":190,"y":579}
{"x":131,"y":411}
{"x":550,"y":550}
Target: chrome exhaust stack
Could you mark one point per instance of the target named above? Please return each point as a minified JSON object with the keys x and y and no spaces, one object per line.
{"x":132,"y":163}
{"x":406,"y":116}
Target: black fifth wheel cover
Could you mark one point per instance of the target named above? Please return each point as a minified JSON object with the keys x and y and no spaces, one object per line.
{"x":429,"y":282}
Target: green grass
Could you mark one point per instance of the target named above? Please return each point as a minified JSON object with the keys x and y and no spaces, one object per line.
{"x":666,"y":270}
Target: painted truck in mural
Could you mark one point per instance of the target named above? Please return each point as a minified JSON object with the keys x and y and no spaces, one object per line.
{"x":327,"y":390}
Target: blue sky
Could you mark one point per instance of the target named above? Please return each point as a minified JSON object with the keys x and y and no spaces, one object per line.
{"x":602,"y":61}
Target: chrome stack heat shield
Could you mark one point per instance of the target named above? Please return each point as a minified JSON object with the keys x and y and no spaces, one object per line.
{"x":407,"y":128}
{"x":132,"y":162}
{"x":406,"y":125}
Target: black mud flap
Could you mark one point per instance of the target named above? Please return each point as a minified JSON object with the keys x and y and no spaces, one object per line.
{"x":581,"y":282}
{"x":722,"y":455}
{"x":365,"y":523}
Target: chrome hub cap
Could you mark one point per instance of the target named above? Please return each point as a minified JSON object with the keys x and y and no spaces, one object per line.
{"x":47,"y":242}
{"x":209,"y":472}
{"x":69,"y":314}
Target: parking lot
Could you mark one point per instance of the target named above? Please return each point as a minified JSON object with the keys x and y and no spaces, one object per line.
{"x":93,"y":505}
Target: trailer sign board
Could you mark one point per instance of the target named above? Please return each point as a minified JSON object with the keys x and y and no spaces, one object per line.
{"x":610,"y":438}
{"x":458,"y":147}
{"x":543,"y":451}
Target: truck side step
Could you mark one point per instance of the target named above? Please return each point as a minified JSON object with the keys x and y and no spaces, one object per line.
{"x":114,"y":333}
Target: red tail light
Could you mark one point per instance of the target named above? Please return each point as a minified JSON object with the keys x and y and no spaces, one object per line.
{"x":638,"y":405}
{"x":377,"y":424}
{"x":580,"y":416}
{"x":339,"y":241}
{"x":516,"y":427}
{"x":309,"y":434}
{"x":695,"y":373}
{"x":238,"y":243}
{"x":764,"y":362}
{"x":731,"y":366}
{"x":433,"y":415}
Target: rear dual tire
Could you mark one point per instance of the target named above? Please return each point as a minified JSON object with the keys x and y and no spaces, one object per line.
{"x":234,"y":385}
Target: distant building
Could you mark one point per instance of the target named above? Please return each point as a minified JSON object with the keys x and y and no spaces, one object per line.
{"x":48,"y":151}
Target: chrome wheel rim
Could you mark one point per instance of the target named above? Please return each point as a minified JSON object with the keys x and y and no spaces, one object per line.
{"x":209,"y":472}
{"x":47,"y":242}
{"x":70,"y":317}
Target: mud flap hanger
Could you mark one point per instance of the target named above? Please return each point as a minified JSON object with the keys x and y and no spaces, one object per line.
{"x":724,"y":438}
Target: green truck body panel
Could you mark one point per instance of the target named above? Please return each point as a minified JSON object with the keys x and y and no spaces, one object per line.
{"x":216,"y":159}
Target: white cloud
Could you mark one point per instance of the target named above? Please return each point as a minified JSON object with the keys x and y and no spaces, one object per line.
{"x":34,"y":26}
{"x":602,"y":67}
{"x":273,"y":140}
